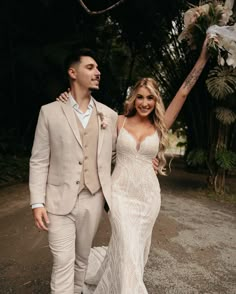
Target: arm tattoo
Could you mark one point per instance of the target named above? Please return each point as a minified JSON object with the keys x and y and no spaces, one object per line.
{"x":192,"y":78}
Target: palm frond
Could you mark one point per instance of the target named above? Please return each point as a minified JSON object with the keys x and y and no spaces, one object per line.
{"x":197,"y":157}
{"x":221,"y":82}
{"x":226,"y":159}
{"x":225,"y":115}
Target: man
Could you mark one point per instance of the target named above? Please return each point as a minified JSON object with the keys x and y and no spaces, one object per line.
{"x":70,"y":172}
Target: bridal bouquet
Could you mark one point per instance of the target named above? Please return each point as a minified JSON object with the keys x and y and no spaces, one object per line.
{"x":215,"y":19}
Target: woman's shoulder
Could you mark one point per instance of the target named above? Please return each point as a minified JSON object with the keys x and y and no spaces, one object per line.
{"x":120,"y":121}
{"x":121,"y":117}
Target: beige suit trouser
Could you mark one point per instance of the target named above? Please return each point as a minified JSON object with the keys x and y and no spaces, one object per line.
{"x":70,"y":240}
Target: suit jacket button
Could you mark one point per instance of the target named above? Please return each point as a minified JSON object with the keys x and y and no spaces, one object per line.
{"x":80,"y":162}
{"x":77,"y":182}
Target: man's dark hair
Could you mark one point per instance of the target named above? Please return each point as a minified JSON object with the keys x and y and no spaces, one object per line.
{"x":75,"y":55}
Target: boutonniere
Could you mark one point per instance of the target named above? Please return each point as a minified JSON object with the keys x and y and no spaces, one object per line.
{"x":104,"y":123}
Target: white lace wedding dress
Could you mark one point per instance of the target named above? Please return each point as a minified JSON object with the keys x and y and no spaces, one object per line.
{"x":135,"y":207}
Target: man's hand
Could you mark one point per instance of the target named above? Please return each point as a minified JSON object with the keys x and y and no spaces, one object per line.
{"x":41,"y":218}
{"x":155,"y":164}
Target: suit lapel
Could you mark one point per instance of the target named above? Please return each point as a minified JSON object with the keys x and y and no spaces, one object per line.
{"x":100,"y":130}
{"x":70,"y":115}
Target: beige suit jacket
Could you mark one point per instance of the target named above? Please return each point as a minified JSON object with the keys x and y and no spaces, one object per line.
{"x":57,"y":156}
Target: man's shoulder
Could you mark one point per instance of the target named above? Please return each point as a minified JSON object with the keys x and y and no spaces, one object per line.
{"x":52,"y":106}
{"x":107,"y":109}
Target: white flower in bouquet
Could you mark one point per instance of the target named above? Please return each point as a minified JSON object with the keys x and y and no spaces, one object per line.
{"x":191,"y":15}
{"x":231,"y":59}
{"x":212,"y":18}
{"x":225,"y":14}
{"x":224,"y":39}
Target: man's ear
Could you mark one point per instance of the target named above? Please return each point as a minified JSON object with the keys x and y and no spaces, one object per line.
{"x":72,"y":73}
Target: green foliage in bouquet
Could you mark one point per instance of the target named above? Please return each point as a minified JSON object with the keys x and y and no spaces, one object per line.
{"x":198,"y":19}
{"x":203,"y":22}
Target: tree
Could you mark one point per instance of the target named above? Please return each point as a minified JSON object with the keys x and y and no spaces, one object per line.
{"x":221,"y":157}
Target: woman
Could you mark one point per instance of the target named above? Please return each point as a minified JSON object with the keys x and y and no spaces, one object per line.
{"x":142,"y":135}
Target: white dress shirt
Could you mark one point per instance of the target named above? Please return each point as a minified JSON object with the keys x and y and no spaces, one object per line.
{"x":84,"y":119}
{"x":83,"y":116}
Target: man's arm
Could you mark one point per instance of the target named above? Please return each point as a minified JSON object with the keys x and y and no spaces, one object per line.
{"x":39,"y":163}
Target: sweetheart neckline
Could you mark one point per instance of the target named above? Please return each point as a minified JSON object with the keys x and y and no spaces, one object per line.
{"x":138,"y":143}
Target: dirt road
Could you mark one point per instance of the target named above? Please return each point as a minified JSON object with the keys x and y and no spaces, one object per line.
{"x":193,"y":248}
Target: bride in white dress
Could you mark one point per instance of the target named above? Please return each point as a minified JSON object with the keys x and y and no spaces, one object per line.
{"x":136,"y":200}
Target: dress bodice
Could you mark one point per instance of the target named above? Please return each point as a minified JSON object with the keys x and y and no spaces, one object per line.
{"x":134,"y":173}
{"x":128,"y":147}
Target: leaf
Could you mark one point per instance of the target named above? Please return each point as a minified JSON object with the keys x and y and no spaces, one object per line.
{"x":225,"y":115}
{"x":226,"y":159}
{"x":221,"y":82}
{"x":197,"y":157}
{"x":181,"y":144}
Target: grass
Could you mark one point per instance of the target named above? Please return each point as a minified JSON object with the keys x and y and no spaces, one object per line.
{"x":13,"y":169}
{"x":228,"y":196}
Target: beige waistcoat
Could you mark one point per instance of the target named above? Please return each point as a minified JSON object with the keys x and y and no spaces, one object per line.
{"x":89,"y":136}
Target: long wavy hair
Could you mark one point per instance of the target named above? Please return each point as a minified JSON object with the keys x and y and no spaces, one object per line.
{"x":156,"y":116}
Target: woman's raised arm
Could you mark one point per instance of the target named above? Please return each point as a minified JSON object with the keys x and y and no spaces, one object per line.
{"x":180,"y":97}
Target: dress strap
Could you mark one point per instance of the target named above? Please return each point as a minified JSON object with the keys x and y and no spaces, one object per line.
{"x":123,"y":123}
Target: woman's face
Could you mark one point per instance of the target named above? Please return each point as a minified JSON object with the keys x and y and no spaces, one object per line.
{"x":144,"y":102}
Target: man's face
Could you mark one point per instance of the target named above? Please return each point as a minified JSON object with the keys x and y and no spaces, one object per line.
{"x":86,"y":73}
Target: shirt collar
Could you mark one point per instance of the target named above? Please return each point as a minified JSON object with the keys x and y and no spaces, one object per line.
{"x":75,"y":105}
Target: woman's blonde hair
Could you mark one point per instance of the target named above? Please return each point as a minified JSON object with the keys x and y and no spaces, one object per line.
{"x":156,"y":116}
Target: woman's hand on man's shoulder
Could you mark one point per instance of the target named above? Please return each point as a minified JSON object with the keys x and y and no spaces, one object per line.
{"x":63,"y":97}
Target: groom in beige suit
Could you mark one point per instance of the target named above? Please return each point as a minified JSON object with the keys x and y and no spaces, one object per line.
{"x":70,"y":172}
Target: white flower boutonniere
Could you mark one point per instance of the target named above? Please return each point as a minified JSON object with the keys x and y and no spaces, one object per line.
{"x":104,"y":123}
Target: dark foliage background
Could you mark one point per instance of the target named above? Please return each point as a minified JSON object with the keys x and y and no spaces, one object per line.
{"x":138,"y":38}
{"x":35,"y":38}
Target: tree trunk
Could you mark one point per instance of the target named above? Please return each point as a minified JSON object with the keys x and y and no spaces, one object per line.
{"x":219,"y":182}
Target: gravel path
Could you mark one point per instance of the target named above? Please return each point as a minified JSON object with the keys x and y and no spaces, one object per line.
{"x":193,"y":247}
